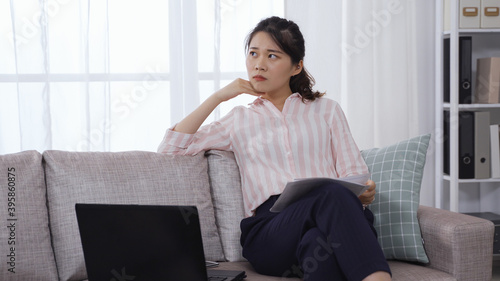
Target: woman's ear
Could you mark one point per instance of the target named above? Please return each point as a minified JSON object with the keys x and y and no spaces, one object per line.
{"x":298,"y":68}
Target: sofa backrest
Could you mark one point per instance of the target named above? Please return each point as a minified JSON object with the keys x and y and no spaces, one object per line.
{"x":25,"y":245}
{"x":132,"y":177}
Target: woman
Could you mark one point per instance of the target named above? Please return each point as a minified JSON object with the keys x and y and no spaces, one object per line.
{"x":289,"y":132}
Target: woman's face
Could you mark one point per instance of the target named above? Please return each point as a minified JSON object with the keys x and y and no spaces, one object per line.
{"x":269,"y":68}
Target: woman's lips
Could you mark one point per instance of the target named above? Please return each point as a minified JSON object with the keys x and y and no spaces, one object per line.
{"x":259,"y":78}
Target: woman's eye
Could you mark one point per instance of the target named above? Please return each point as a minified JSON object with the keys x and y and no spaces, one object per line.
{"x":253,"y":54}
{"x":272,"y":56}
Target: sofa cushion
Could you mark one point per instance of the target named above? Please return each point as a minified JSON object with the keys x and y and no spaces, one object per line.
{"x":250,"y":272}
{"x":401,"y":271}
{"x":26,"y":252}
{"x":227,"y":198}
{"x":397,"y":170}
{"x":132,"y":177}
{"x":405,"y":271}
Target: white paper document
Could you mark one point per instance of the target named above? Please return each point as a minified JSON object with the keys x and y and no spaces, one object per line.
{"x":297,"y":188}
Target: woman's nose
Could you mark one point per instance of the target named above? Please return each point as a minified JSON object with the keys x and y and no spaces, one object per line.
{"x":259,"y":65}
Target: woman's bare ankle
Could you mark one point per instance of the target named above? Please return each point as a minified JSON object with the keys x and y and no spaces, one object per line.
{"x":378,"y":276}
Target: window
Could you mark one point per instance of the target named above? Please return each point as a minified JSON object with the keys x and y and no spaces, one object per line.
{"x":114,"y":75}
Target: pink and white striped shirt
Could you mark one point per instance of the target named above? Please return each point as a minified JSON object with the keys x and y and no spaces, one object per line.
{"x":304,"y":140}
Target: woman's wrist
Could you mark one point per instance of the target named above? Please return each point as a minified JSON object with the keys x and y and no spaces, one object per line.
{"x":218,"y":97}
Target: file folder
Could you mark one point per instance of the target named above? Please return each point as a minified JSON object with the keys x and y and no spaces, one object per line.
{"x":482,"y":145}
{"x":466,"y":147}
{"x":495,"y":150}
{"x":446,"y":142}
{"x":465,"y":70}
{"x":446,"y":70}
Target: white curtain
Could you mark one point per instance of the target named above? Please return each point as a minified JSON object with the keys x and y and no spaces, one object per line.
{"x":113,"y":75}
{"x":376,"y":58}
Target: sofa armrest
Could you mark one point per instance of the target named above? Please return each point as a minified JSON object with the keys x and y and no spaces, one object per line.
{"x":458,"y":244}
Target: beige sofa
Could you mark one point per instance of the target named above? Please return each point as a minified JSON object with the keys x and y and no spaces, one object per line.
{"x":39,"y":237}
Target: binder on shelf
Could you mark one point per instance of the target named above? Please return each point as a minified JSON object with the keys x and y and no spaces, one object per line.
{"x":487,"y":80}
{"x":473,"y":157}
{"x":470,"y":15}
{"x":495,"y":150}
{"x":466,"y":145}
{"x":464,"y":70}
{"x":446,"y":142}
{"x":446,"y":70}
{"x":482,"y":145}
{"x":490,"y":13}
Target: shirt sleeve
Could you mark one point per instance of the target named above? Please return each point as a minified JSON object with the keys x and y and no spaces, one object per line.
{"x":346,"y":154}
{"x":215,"y":135}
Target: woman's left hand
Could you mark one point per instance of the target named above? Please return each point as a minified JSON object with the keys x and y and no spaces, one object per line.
{"x":369,"y":195}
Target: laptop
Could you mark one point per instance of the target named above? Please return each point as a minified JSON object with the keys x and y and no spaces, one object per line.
{"x":144,"y":242}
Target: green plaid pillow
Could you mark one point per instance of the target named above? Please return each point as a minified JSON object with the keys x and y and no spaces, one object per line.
{"x":397,"y":170}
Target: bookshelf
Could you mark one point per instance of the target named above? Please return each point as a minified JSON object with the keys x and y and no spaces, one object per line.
{"x":485,"y":43}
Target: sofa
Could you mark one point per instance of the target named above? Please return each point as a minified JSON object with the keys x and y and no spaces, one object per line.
{"x":39,"y":237}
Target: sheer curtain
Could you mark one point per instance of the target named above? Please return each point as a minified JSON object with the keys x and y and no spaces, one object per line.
{"x":376,"y":58}
{"x":113,"y":75}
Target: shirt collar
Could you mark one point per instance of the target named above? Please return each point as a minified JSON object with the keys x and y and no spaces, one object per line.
{"x":260,"y":100}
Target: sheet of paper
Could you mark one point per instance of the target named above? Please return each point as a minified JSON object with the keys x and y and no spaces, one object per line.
{"x":297,"y":188}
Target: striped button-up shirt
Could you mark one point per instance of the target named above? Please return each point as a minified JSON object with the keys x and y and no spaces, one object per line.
{"x":273,"y":147}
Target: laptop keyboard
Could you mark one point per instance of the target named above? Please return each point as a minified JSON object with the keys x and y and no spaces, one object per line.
{"x":216,"y":278}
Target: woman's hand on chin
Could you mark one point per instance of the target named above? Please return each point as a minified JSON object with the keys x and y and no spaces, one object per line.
{"x":236,"y":88}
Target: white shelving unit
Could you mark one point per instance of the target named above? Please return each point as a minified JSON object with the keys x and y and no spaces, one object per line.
{"x":453,"y":106}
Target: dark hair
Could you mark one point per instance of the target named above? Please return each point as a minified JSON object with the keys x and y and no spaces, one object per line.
{"x":286,"y":34}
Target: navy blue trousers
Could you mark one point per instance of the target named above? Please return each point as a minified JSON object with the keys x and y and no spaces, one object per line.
{"x":326,"y":235}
